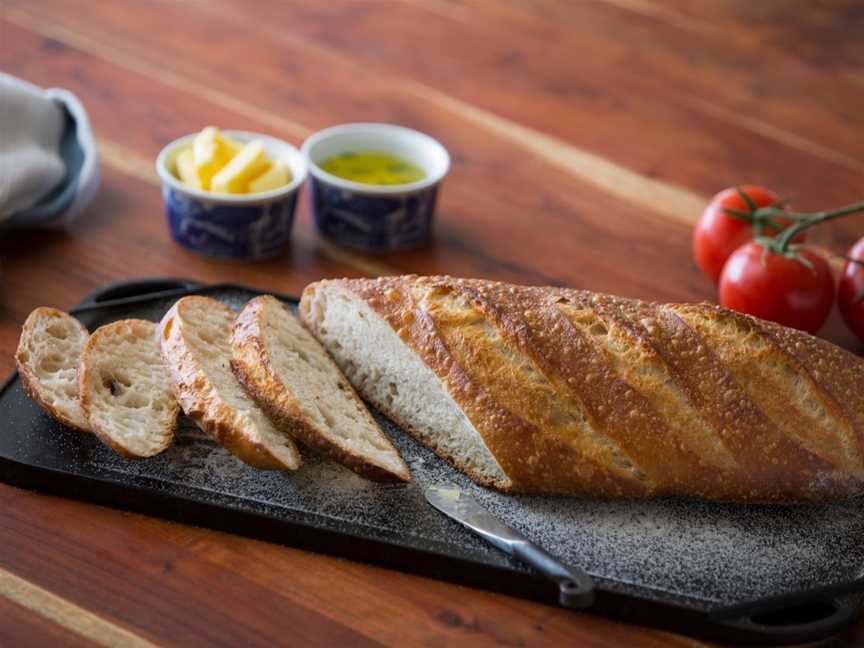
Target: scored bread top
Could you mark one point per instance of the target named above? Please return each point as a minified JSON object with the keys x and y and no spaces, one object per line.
{"x":126,"y":390}
{"x":195,"y":340}
{"x":290,"y":375}
{"x":581,"y":393}
{"x":48,"y":352}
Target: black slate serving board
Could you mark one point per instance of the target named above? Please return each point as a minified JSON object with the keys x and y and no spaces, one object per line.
{"x":745,"y":573}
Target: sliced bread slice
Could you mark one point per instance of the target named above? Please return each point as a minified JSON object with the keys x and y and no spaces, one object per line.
{"x":195,"y":339}
{"x":48,"y":351}
{"x":291,"y":377}
{"x":126,"y":390}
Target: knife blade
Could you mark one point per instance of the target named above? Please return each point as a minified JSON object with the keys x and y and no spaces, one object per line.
{"x":575,"y":587}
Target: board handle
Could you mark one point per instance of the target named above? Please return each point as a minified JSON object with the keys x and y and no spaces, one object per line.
{"x":795,"y":622}
{"x":131,"y":288}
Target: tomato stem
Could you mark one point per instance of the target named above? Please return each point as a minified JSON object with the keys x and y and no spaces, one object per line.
{"x":780,"y":244}
{"x":747,"y":199}
{"x":762,"y":217}
{"x":810,"y":220}
{"x":748,"y":218}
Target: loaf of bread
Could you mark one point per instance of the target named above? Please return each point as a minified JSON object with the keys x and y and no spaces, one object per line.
{"x":566,"y":392}
{"x":48,"y":352}
{"x":125,"y":389}
{"x":195,"y":339}
{"x":291,"y":377}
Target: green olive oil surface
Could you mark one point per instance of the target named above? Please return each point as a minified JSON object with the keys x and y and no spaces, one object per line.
{"x":373,"y":167}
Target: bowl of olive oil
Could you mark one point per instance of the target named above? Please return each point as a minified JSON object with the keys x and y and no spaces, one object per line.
{"x":374,"y":187}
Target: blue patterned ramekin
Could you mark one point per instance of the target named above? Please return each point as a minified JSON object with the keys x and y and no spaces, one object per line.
{"x":375,"y":218}
{"x":242,"y":226}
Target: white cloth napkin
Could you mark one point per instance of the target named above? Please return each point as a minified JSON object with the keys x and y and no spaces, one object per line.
{"x":49,"y":166}
{"x":31,"y":124}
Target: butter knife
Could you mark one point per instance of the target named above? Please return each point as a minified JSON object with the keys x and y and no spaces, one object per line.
{"x":575,"y":587}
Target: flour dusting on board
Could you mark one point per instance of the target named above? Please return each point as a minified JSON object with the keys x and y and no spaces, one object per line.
{"x":697,"y":554}
{"x":709,"y":552}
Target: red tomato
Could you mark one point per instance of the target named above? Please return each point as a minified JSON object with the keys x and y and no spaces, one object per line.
{"x":717,"y":235}
{"x":778,"y":288}
{"x":852,"y":287}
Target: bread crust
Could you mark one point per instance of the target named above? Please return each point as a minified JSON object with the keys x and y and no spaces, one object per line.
{"x":30,"y":382}
{"x":199,"y":399}
{"x":529,"y":320}
{"x":771,"y":466}
{"x":438,"y":318}
{"x":789,"y":415}
{"x":252,"y":364}
{"x":836,"y":371}
{"x":85,"y":377}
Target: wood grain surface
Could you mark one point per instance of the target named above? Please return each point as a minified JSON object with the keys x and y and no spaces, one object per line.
{"x":586,"y":137}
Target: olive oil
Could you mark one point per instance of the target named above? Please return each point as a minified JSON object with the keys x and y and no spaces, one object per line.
{"x":373,"y":167}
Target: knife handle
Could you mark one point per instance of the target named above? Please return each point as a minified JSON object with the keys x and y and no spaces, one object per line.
{"x":575,"y":587}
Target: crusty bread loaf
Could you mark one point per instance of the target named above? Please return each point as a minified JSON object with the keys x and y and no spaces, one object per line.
{"x":48,"y":351}
{"x":126,"y":390}
{"x":556,"y":391}
{"x":195,"y":340}
{"x":293,"y":379}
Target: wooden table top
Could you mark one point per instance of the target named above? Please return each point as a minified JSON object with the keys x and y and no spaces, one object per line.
{"x":586,"y":138}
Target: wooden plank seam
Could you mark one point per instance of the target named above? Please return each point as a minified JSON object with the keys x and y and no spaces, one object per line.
{"x":67,"y":614}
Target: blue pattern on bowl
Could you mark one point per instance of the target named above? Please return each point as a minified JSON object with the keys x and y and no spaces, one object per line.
{"x":373,"y":222}
{"x":230,"y":231}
